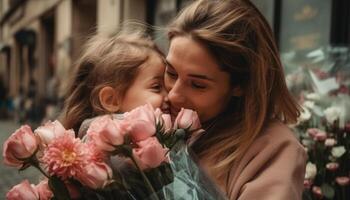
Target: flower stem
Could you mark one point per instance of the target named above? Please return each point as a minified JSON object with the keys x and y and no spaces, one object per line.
{"x":148,"y":183}
{"x":41,"y":170}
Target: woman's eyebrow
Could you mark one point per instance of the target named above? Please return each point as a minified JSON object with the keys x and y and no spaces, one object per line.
{"x":200,"y":76}
{"x":168,"y":63}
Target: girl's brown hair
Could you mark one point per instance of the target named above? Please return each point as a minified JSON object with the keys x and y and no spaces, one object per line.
{"x":241,"y":41}
{"x":106,"y":61}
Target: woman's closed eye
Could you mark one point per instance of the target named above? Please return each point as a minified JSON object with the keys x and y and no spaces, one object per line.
{"x":197,"y":85}
{"x":171,"y":74}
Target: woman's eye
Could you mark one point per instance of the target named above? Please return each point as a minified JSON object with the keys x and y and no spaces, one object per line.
{"x":171,"y":74}
{"x":197,"y":85}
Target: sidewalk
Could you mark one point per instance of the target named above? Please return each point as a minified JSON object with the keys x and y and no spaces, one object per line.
{"x":9,"y":175}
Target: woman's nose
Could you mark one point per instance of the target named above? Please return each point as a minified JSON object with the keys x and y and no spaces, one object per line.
{"x":176,"y":95}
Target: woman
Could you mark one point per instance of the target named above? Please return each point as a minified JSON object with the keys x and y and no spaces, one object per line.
{"x":223,"y":62}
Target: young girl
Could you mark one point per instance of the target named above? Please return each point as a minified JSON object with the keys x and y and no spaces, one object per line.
{"x":115,"y":75}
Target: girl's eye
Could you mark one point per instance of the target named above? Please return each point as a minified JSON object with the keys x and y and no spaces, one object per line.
{"x":197,"y":85}
{"x":156,"y":87}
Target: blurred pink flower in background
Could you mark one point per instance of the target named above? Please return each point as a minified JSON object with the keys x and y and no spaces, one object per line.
{"x":95,"y":175}
{"x":342,"y":180}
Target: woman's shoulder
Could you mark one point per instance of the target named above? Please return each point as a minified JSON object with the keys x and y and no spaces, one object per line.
{"x":276,"y":133}
{"x":275,"y":161}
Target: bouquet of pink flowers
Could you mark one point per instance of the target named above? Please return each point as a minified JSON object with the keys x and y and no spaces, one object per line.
{"x":141,"y":155}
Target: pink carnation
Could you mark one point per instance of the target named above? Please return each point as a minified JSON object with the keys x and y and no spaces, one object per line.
{"x":65,"y":156}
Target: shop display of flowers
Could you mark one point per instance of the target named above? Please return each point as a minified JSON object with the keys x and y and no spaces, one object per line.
{"x":322,"y":86}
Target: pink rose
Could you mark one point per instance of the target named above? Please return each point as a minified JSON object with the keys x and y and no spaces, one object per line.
{"x":332,"y":166}
{"x":50,"y":131}
{"x":107,"y":133}
{"x":20,"y":145}
{"x":150,"y":153}
{"x":187,"y":119}
{"x":167,"y":124}
{"x":95,"y":175}
{"x":142,"y":121}
{"x":343,"y":180}
{"x":23,"y":191}
{"x":43,"y":190}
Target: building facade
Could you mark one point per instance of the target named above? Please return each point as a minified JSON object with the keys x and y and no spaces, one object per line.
{"x":41,"y":39}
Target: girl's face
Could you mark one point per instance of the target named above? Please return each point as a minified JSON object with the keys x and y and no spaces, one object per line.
{"x":194,"y":79}
{"x":148,"y":87}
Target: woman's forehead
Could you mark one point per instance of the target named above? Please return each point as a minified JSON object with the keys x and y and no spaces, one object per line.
{"x":190,"y":55}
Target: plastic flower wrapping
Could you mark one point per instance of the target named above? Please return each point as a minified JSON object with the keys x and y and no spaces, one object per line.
{"x":320,"y":79}
{"x":138,"y":155}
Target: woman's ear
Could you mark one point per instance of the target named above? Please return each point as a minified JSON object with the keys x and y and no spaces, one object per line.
{"x":109,"y":100}
{"x":237,"y":91}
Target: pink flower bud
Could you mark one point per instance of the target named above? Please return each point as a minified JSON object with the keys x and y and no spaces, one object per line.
{"x":106,"y":133}
{"x":167,"y":124}
{"x":43,"y":190}
{"x":343,"y":180}
{"x":150,"y":153}
{"x":23,"y":191}
{"x":187,"y":118}
{"x":20,"y":145}
{"x":95,"y":175}
{"x":332,"y":166}
{"x":142,"y":121}
{"x":50,"y":131}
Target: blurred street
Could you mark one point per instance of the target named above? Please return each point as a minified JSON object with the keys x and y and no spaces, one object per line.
{"x":10,"y":176}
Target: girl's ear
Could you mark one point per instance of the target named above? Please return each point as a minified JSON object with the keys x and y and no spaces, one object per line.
{"x":237,"y":91}
{"x":109,"y":100}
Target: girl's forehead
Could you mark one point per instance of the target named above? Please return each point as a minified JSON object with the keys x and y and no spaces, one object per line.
{"x":154,"y":65}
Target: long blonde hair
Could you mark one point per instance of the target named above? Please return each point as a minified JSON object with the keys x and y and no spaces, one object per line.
{"x":241,"y":41}
{"x":106,"y":61}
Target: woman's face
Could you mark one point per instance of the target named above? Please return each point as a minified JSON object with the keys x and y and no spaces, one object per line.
{"x":194,"y":79}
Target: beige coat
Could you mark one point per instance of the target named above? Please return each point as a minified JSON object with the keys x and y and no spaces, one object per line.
{"x":272,"y":169}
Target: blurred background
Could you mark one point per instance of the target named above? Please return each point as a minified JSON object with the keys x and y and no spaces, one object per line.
{"x":41,"y":39}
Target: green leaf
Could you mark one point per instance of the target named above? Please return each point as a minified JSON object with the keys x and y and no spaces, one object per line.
{"x":327,"y":190}
{"x":58,"y":188}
